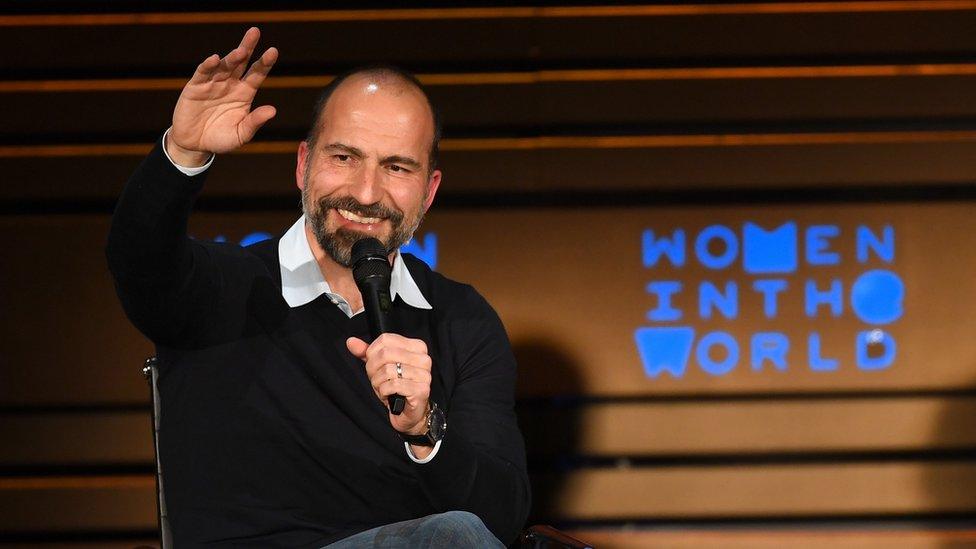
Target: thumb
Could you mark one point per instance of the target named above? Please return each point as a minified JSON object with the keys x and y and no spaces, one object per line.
{"x":254,"y":120}
{"x":357,"y":347}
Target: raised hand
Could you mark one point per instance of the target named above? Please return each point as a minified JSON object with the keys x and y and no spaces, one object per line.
{"x":213,"y":114}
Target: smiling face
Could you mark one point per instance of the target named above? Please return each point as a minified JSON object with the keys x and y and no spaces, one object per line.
{"x":369,"y":173}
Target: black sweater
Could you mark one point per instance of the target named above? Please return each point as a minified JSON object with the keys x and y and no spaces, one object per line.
{"x":271,"y":435}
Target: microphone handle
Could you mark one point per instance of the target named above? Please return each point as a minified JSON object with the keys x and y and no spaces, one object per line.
{"x":397,"y":404}
{"x":379,"y":323}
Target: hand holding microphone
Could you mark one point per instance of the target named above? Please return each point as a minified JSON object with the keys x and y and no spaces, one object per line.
{"x":399,"y":368}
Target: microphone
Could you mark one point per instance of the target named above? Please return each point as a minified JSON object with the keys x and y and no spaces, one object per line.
{"x":371,"y":271}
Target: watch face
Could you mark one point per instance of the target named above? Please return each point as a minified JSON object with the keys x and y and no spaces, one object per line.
{"x":438,"y":424}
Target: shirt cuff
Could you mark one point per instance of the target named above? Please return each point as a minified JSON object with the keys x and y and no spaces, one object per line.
{"x":437,"y":446}
{"x":186,"y":171}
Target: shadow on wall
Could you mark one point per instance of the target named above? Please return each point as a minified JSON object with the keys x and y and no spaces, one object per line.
{"x":548,"y":409}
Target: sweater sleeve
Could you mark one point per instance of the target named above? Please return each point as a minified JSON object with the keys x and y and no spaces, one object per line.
{"x":480,"y":466}
{"x":166,"y":282}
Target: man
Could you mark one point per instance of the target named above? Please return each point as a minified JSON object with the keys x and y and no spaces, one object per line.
{"x":274,"y":426}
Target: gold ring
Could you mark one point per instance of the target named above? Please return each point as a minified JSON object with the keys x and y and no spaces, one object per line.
{"x":399,"y":368}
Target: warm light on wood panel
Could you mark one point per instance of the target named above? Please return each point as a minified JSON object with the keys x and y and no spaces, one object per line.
{"x":528,"y":77}
{"x":548,"y":143}
{"x":111,"y":503}
{"x":601,"y":429}
{"x":76,"y":438}
{"x":818,"y":537}
{"x":712,"y":140}
{"x":770,"y":491}
{"x":486,"y":13}
{"x":668,"y":492}
{"x":94,"y":482}
{"x":757,"y":427}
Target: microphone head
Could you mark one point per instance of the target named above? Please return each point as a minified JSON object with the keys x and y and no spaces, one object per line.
{"x":369,"y":260}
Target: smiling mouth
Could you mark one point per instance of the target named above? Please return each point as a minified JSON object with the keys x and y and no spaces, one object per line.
{"x":346,"y":214}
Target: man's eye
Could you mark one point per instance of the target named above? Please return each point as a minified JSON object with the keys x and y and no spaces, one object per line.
{"x":397,"y":168}
{"x":341,"y":157}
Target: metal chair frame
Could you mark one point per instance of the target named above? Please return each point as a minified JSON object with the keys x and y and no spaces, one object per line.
{"x":151,"y":372}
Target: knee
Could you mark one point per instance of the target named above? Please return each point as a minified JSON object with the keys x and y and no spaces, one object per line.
{"x":463,"y":519}
{"x":463,"y":527}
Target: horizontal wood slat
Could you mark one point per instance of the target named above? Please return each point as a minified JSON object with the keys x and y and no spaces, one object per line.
{"x":527,"y":77}
{"x":775,"y":537}
{"x":126,"y":503}
{"x":291,"y":16}
{"x":778,"y":537}
{"x":76,"y":482}
{"x":488,"y":13}
{"x":78,"y":438}
{"x":113,"y":541}
{"x":552,"y":143}
{"x":884,"y":166}
{"x":630,"y":107}
{"x":526,"y":37}
{"x":602,"y":429}
{"x":913,"y":97}
{"x":107,"y":503}
{"x":753,"y":427}
{"x":769,"y":491}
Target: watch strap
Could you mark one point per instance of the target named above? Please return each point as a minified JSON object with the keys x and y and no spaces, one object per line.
{"x":418,"y":440}
{"x":432,"y":436}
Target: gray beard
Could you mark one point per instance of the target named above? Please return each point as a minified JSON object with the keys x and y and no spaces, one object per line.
{"x":338,"y":245}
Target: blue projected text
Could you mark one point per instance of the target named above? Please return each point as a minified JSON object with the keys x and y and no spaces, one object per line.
{"x":772,"y":257}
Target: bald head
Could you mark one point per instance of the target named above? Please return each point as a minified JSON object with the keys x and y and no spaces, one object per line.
{"x":373,"y":80}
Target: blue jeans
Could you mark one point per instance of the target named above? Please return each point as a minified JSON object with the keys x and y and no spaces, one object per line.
{"x":454,"y":529}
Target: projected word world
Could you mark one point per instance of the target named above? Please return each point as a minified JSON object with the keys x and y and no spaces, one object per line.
{"x":787,"y":267}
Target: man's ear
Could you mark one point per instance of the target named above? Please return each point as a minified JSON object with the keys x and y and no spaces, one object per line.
{"x":301,"y":164}
{"x":433,"y":183}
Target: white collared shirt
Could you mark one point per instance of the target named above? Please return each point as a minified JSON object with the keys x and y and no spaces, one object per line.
{"x":302,"y":281}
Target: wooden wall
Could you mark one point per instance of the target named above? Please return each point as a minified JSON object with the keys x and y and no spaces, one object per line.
{"x":570,"y":131}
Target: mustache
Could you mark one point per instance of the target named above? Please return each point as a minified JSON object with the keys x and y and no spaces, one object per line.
{"x":350,"y":204}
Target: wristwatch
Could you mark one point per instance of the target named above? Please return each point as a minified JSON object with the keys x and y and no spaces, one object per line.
{"x":436,"y":427}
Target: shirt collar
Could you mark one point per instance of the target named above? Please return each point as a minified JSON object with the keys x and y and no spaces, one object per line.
{"x":302,"y":280}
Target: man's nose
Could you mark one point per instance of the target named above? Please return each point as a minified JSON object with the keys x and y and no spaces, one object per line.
{"x":367,"y":187}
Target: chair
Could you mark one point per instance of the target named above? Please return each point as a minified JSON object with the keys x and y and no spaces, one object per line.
{"x":542,"y":536}
{"x":535,"y":537}
{"x":151,"y":372}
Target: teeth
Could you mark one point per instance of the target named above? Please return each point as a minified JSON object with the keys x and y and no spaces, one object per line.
{"x":353,"y":217}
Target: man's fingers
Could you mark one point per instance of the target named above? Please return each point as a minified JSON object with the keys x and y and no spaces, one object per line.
{"x":260,"y":68}
{"x":230,"y":63}
{"x":416,"y":395}
{"x":388,"y":340}
{"x":250,"y":40}
{"x":412,"y":373}
{"x":253,"y":122}
{"x":357,"y":347}
{"x":239,"y":68}
{"x":205,"y":69}
{"x":246,"y":49}
{"x":390,"y":356}
{"x":411,"y":390}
